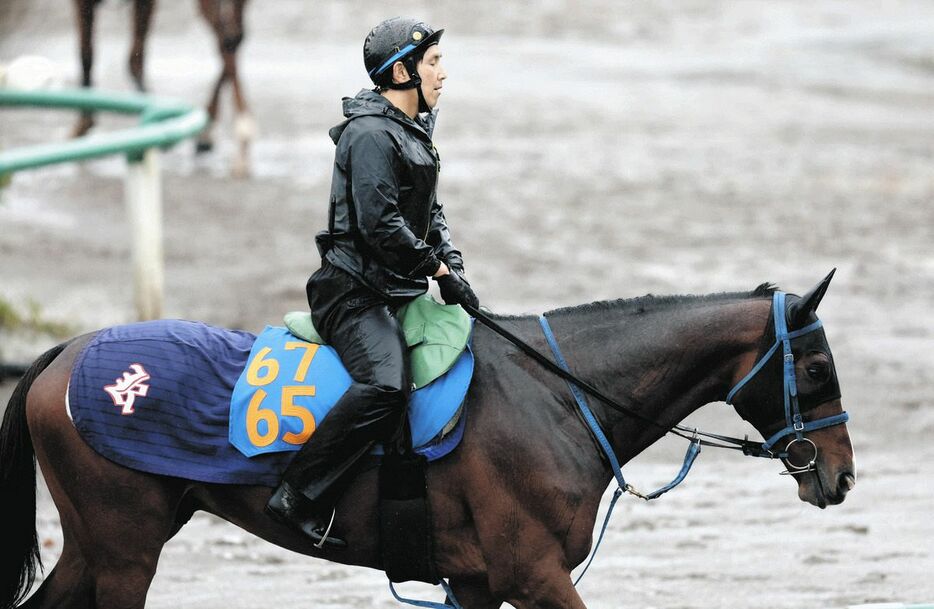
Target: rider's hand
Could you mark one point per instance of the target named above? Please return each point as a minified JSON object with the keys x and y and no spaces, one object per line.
{"x":454,"y":290}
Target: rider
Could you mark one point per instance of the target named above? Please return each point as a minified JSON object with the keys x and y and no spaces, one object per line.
{"x":386,"y":235}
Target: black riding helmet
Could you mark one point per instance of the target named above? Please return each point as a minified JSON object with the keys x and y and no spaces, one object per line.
{"x":398,"y":39}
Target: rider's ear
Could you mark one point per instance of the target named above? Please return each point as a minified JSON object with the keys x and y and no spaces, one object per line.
{"x":400,"y":73}
{"x":800,"y":311}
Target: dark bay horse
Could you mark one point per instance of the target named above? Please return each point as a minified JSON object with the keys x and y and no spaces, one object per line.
{"x":225,"y":17}
{"x":513,"y":506}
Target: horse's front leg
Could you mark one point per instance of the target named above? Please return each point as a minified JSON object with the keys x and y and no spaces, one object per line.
{"x":226,"y":19}
{"x":474,"y":593}
{"x":547,"y":586}
{"x":526,"y":559}
{"x":142,"y":17}
{"x":84,"y":15}
{"x":244,"y":125}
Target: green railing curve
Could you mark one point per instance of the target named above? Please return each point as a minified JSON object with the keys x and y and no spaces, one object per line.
{"x":163,"y":123}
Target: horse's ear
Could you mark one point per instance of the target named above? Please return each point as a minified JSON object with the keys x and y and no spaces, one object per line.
{"x":800,"y":311}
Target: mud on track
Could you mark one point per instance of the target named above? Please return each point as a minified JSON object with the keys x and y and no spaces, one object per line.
{"x":590,"y":150}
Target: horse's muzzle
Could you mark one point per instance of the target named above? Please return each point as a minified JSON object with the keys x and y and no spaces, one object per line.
{"x":816,"y":491}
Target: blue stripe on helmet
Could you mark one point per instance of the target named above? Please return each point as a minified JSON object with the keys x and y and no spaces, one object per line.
{"x":392,"y":60}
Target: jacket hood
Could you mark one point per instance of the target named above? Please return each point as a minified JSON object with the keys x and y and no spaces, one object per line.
{"x":370,"y":103}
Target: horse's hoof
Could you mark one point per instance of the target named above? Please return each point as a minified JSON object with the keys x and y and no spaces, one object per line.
{"x":240,"y":169}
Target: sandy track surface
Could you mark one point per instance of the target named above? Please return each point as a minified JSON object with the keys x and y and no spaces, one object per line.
{"x":590,"y":150}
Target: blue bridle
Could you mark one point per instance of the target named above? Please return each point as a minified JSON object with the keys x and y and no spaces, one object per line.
{"x":794,"y":423}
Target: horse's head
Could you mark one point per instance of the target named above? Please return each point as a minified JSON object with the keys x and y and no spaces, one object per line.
{"x":792,"y":398}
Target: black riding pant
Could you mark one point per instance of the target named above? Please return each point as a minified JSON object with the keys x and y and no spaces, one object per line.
{"x":363,"y":329}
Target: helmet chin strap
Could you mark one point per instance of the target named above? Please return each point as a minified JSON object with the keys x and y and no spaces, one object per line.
{"x":414,"y":82}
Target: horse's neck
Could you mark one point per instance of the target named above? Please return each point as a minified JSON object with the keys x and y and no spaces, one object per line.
{"x":663,"y":364}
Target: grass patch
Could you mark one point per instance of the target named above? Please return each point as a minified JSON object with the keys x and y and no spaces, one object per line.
{"x":31,"y":320}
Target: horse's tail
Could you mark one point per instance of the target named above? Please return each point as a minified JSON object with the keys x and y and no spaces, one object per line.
{"x":19,"y":552}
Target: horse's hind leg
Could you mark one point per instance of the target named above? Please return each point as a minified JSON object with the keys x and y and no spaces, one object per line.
{"x":115,"y":520}
{"x":67,"y":586}
{"x":119,"y":520}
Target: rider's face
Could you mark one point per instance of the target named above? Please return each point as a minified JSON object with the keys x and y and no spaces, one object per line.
{"x":432,"y":75}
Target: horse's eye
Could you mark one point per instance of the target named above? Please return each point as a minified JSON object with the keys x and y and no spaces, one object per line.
{"x":818,"y":371}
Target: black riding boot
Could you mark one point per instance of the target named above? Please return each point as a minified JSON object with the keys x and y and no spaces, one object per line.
{"x":317,"y":476}
{"x":372,"y":348}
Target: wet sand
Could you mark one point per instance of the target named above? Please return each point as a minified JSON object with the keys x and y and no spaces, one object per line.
{"x":589,"y":150}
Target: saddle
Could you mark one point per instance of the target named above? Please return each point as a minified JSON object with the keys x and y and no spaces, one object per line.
{"x":291,"y":380}
{"x":436,"y":335}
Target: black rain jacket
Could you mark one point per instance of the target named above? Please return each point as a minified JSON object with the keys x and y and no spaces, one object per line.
{"x":386,"y":227}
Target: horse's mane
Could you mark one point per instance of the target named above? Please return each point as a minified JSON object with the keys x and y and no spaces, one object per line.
{"x":651,"y":302}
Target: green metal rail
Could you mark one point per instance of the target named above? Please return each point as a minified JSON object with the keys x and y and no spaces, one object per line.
{"x":163,"y":122}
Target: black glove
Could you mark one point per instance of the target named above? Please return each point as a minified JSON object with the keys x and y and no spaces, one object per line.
{"x":455,"y":290}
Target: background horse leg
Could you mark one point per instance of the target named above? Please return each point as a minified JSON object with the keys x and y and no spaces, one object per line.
{"x":244,"y":125}
{"x":205,"y":142}
{"x":226,"y":19}
{"x":142,"y":17}
{"x":84,"y":13}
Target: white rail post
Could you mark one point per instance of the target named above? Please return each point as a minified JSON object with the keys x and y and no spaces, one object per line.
{"x":144,"y":209}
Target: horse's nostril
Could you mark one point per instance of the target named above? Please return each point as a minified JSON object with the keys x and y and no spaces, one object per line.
{"x":846,"y":482}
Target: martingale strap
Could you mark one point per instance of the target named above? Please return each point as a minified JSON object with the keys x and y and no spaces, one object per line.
{"x":581,"y":399}
{"x":693,"y":450}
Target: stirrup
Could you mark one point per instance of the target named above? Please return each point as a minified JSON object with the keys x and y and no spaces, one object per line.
{"x":327,"y":532}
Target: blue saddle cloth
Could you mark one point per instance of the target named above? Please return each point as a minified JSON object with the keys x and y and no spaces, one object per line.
{"x":186,"y":399}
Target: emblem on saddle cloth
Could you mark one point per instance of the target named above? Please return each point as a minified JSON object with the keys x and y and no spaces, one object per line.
{"x":127,"y":388}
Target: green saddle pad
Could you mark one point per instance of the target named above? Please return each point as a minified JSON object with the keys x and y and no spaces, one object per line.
{"x":436,"y":335}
